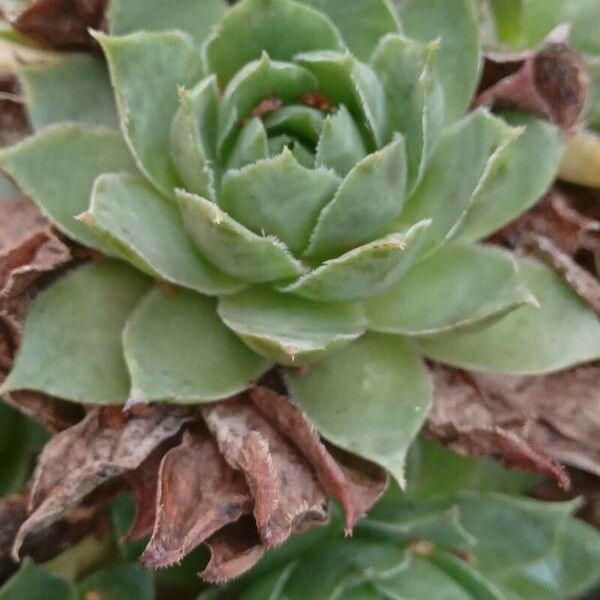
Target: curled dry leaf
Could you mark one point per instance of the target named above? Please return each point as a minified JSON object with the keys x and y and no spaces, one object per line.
{"x":198,"y":494}
{"x":529,"y":426}
{"x":551,"y":81}
{"x":13,"y":118}
{"x":287,"y":494}
{"x":97,"y":450}
{"x":13,"y":512}
{"x":357,"y":489}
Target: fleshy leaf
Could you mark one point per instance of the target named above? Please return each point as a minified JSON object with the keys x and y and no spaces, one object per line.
{"x":456,"y":24}
{"x":369,"y":398}
{"x":146,"y":228}
{"x":345,"y":80}
{"x":57,"y":168}
{"x":518,"y":183}
{"x":232,"y":247}
{"x":369,"y":198}
{"x":456,"y":286}
{"x":88,"y":308}
{"x":363,"y":272}
{"x":278,"y":197}
{"x":288,"y":329}
{"x":414,"y":97}
{"x":256,"y":26}
{"x":302,"y":122}
{"x":259,"y":80}
{"x":341,"y":145}
{"x":284,"y":143}
{"x":453,"y":180}
{"x":35,"y":583}
{"x":193,"y":137}
{"x":251,"y":145}
{"x":162,"y":61}
{"x":362,"y":22}
{"x":192,"y":16}
{"x":564,"y":331}
{"x":124,"y":581}
{"x":178,"y":350}
{"x":74,"y":87}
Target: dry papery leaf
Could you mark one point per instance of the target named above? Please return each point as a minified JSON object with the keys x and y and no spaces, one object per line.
{"x":551,"y":80}
{"x":14,"y":125}
{"x":531,"y":422}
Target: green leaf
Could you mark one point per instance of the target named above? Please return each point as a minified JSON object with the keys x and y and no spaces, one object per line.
{"x":345,"y":80}
{"x":278,"y":197}
{"x":349,"y":220}
{"x":301,"y":122}
{"x":453,"y":180}
{"x":233,"y":248}
{"x":256,"y":26}
{"x":72,"y":337}
{"x":284,"y":143}
{"x":256,"y":81}
{"x":74,"y":87}
{"x":414,"y":97}
{"x":196,"y":17}
{"x":456,"y":286}
{"x":456,"y":24}
{"x":193,"y":137}
{"x":32,"y":582}
{"x":341,"y":145}
{"x":146,"y":228}
{"x":370,"y":398}
{"x":362,"y":22}
{"x":251,"y":145}
{"x":122,"y":582}
{"x":158,"y":63}
{"x":288,"y":329}
{"x":363,"y":272}
{"x":519,"y":182}
{"x":57,"y":168}
{"x":563,"y":332}
{"x":178,"y":350}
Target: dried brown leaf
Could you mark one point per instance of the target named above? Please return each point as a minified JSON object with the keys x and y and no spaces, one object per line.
{"x":198,"y":494}
{"x":14,"y":125}
{"x":97,"y":450}
{"x":288,"y":496}
{"x":357,"y":486}
{"x":13,"y":512}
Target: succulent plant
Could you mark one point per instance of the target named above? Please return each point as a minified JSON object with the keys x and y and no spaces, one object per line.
{"x":287,"y":186}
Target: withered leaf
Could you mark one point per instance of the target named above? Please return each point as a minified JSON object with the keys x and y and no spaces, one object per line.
{"x":13,"y":118}
{"x":13,"y":512}
{"x":198,"y":494}
{"x":287,"y":495}
{"x":356,"y":485}
{"x":551,"y":81}
{"x":234,"y":550}
{"x":97,"y":450}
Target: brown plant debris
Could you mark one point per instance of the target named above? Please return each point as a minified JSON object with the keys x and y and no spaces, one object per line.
{"x":551,"y":81}
{"x":532,"y":422}
{"x":97,"y":450}
{"x":14,"y":125}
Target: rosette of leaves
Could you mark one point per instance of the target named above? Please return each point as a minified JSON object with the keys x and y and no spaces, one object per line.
{"x":293,"y":184}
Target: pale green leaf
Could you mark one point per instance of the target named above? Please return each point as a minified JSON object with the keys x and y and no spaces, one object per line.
{"x":370,"y":398}
{"x":288,"y":329}
{"x":341,"y":145}
{"x":563,"y":332}
{"x":146,"y":228}
{"x":7,"y":188}
{"x":193,"y":137}
{"x":369,"y":198}
{"x":278,"y":197}
{"x":581,"y":161}
{"x":414,"y":97}
{"x":156,"y":64}
{"x":519,"y":182}
{"x":301,"y":122}
{"x":347,"y":81}
{"x":196,"y":17}
{"x":251,"y":145}
{"x":74,"y":87}
{"x":233,"y":248}
{"x":362,"y":22}
{"x":363,"y":272}
{"x":458,"y":285}
{"x":177,"y":349}
{"x":453,"y":180}
{"x":57,"y":168}
{"x":72,"y":337}
{"x":456,"y":24}
{"x":284,"y":143}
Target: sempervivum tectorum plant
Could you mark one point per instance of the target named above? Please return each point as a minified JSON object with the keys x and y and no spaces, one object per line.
{"x":294,"y":187}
